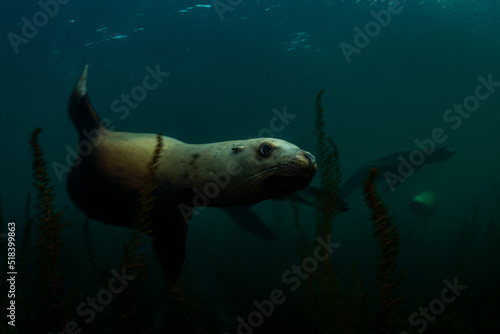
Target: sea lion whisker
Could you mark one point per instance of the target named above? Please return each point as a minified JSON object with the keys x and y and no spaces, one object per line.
{"x":252,"y":177}
{"x":252,"y":180}
{"x":253,"y":183}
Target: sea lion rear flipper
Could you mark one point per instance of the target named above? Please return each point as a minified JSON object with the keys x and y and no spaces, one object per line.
{"x":169,"y":243}
{"x":80,"y":109}
{"x":311,"y":195}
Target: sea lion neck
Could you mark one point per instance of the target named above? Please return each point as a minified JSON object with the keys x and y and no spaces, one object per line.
{"x":202,"y":164}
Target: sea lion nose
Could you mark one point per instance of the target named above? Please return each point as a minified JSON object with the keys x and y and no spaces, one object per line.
{"x":310,"y":157}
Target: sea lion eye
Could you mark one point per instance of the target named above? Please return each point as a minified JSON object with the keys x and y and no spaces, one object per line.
{"x":265,"y":149}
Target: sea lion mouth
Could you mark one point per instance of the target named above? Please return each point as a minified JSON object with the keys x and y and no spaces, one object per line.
{"x":304,"y":167}
{"x":284,"y":178}
{"x":292,"y":175}
{"x":255,"y":178}
{"x":284,"y":185}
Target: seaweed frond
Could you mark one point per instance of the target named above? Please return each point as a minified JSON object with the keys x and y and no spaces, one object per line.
{"x":321,"y":298}
{"x":330,"y":173}
{"x":55,"y":310}
{"x":147,"y":198}
{"x":184,"y":310}
{"x":326,"y":210}
{"x":129,"y":302}
{"x":388,"y":277}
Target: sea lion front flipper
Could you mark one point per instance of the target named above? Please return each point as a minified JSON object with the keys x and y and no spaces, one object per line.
{"x":247,"y":219}
{"x":311,"y":195}
{"x":169,"y":242}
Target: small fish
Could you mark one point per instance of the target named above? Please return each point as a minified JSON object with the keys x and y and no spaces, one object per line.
{"x":119,"y":37}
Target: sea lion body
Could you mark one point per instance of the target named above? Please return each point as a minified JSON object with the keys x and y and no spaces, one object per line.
{"x":106,"y":184}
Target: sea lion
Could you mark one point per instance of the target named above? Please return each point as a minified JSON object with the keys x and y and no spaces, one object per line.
{"x":106,"y":180}
{"x":390,"y":164}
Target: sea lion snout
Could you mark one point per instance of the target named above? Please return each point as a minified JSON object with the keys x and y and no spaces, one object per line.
{"x":302,"y":165}
{"x":311,"y":158}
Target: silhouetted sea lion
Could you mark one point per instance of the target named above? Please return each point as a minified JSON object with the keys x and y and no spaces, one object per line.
{"x":106,"y":180}
{"x":393,"y":167}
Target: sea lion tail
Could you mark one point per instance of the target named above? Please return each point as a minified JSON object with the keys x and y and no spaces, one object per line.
{"x":81,"y":111}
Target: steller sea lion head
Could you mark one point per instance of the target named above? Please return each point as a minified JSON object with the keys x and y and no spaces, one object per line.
{"x":268,"y":168}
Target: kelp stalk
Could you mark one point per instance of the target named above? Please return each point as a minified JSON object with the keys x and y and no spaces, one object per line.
{"x":55,"y":309}
{"x":129,"y":302}
{"x":388,"y":239}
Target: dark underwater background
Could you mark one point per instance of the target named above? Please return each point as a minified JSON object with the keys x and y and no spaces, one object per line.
{"x":225,"y":79}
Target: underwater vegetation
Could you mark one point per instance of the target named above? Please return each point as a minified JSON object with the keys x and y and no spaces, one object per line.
{"x":326,"y":308}
{"x":387,"y":236}
{"x":56,"y":301}
{"x":129,"y":312}
{"x":399,"y":294}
